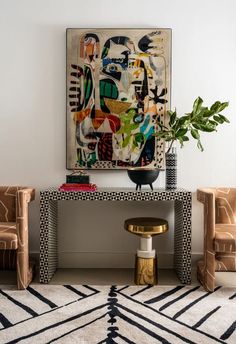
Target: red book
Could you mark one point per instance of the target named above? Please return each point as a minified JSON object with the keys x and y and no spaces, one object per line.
{"x":77,"y":187}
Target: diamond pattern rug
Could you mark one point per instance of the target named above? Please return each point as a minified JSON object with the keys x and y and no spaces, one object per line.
{"x":117,"y":314}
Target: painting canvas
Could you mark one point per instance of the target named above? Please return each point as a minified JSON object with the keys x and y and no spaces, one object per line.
{"x":118,"y":84}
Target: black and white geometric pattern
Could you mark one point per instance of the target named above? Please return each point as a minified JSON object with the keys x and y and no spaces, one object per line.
{"x":117,"y":314}
{"x":182,"y":236}
{"x":171,"y":171}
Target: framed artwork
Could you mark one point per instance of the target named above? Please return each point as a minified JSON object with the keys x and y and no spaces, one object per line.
{"x":118,"y":84}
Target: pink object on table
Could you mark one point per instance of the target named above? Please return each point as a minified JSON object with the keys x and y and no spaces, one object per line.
{"x":78,"y":187}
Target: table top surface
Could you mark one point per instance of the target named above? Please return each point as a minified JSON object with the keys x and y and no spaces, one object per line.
{"x":118,"y":190}
{"x":117,"y":194}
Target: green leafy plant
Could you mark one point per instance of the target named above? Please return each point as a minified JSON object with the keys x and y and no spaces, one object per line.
{"x":200,"y":119}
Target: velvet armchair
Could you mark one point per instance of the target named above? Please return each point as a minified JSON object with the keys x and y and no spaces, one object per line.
{"x":219,"y":234}
{"x":14,"y":232}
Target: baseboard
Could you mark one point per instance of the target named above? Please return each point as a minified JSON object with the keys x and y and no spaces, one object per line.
{"x":106,"y":260}
{"x":109,"y":259}
{"x":35,"y":257}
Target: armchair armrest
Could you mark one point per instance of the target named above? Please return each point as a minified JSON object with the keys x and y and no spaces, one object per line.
{"x":28,"y":192}
{"x":206,"y":269}
{"x":23,"y":197}
{"x":207,"y":197}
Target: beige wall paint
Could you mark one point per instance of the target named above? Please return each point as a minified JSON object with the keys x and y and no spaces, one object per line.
{"x":33,"y":110}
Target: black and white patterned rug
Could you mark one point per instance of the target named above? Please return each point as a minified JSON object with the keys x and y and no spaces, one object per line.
{"x":117,"y":314}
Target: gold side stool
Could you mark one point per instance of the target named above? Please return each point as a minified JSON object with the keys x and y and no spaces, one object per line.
{"x":146,"y":258}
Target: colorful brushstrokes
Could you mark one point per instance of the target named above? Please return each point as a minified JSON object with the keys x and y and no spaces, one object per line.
{"x":118,"y":83}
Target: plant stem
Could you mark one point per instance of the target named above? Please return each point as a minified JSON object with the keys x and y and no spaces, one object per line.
{"x":171,"y":144}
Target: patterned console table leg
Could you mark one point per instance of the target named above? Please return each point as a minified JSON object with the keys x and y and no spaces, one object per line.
{"x":182,"y":239}
{"x":48,"y":238}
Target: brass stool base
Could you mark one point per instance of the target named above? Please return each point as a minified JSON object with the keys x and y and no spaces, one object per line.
{"x":145,"y":271}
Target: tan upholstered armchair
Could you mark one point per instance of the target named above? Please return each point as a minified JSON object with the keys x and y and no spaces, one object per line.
{"x":219,"y":233}
{"x":14,"y":251}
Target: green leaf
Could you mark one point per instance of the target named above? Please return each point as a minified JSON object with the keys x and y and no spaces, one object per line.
{"x":222,"y":106}
{"x":215,"y":106}
{"x":218,"y":106}
{"x":176,"y":125}
{"x":208,"y":113}
{"x":213,"y":123}
{"x":225,"y":119}
{"x":195,"y":134}
{"x":185,"y":138}
{"x":169,"y":112}
{"x":197,"y":105}
{"x":207,"y":128}
{"x":181,"y":141}
{"x":181,"y":132}
{"x":218,"y":119}
{"x":196,"y":126}
{"x":172,"y":118}
{"x":183,"y":120}
{"x":203,"y":112}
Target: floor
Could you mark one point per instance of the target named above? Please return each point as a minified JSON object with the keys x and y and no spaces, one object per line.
{"x":114,"y":276}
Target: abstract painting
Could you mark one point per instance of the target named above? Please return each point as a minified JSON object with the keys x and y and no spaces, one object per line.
{"x":118,"y":85}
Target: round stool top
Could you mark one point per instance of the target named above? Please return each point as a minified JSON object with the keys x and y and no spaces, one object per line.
{"x":146,"y":225}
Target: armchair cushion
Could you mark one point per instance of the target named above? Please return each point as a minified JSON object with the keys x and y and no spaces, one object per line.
{"x":8,"y":236}
{"x":225,"y":238}
{"x":8,"y":203}
{"x":225,"y":204}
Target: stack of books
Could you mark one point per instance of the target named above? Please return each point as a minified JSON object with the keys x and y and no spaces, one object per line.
{"x":77,"y":187}
{"x":78,"y":181}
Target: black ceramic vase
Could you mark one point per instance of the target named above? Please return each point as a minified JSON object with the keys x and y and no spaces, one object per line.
{"x":171,"y":170}
{"x":143,"y":176}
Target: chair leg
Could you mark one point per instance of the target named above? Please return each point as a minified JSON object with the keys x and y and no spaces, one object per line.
{"x":24,"y":270}
{"x":206,"y":272}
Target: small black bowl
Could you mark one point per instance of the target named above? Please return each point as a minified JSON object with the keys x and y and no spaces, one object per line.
{"x":143,"y":176}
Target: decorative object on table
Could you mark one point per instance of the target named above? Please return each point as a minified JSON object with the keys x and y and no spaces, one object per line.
{"x":14,"y":233}
{"x":219,"y":234}
{"x":146,"y":258}
{"x":143,"y":176}
{"x":200,"y":119}
{"x":78,"y":177}
{"x":171,"y":169}
{"x":77,"y":187}
{"x":118,"y":83}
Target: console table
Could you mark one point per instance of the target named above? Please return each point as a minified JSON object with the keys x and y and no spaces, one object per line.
{"x":182,"y":220}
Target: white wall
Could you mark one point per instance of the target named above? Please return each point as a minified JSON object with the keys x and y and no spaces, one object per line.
{"x":32,"y":109}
